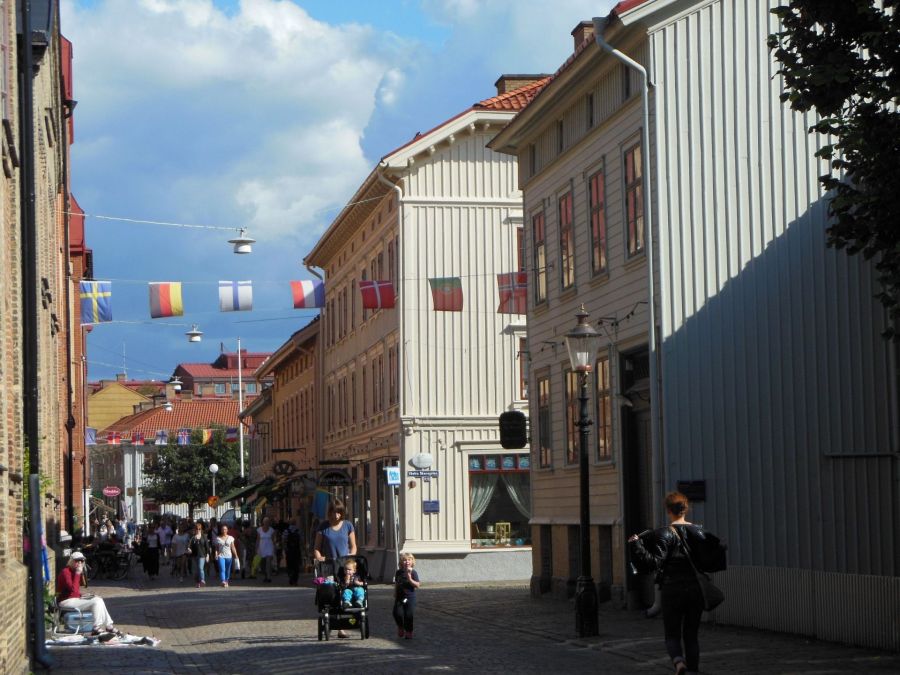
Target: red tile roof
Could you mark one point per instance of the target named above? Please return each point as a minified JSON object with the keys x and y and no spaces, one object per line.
{"x":190,"y":414}
{"x":625,"y":5}
{"x":515,"y":99}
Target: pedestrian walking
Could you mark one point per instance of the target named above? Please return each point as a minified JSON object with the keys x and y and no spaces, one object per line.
{"x":293,"y":537}
{"x":150,"y":555}
{"x":265,"y":547}
{"x":335,"y":538}
{"x":673,"y":554}
{"x":179,"y":552}
{"x":406,"y":582}
{"x":248,"y":549}
{"x":199,"y":551}
{"x":226,"y":554}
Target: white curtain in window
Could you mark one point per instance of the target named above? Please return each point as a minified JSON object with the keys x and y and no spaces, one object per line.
{"x":482,"y":489}
{"x":518,"y":485}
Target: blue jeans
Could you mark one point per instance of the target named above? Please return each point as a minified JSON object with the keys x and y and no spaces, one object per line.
{"x":200,"y":571}
{"x":224,"y":568}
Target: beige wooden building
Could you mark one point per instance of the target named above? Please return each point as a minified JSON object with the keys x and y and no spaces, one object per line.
{"x":422,"y":389}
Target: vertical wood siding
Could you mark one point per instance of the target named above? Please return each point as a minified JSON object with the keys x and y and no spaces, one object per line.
{"x":776,"y":382}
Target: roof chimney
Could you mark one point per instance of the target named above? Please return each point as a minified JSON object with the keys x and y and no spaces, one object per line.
{"x":507,"y":83}
{"x":583,"y":31}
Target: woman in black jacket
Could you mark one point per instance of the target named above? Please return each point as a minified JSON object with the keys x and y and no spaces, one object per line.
{"x":682,"y":601}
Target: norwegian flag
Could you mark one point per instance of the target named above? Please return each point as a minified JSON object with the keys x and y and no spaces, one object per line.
{"x":137,"y":438}
{"x":184,"y":437}
{"x":113,"y":438}
{"x":377,"y":294}
{"x":513,"y":287}
{"x":231,"y":435}
{"x":162,"y":437}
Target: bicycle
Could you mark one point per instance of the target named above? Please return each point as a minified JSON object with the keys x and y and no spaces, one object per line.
{"x":115,"y":565}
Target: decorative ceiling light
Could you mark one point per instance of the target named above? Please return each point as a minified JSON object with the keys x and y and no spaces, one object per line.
{"x":176,"y":384}
{"x":242,"y":243}
{"x":195,"y":334}
{"x":167,"y":406}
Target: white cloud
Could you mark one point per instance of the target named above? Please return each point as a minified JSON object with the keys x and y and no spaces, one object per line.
{"x":273,"y":100}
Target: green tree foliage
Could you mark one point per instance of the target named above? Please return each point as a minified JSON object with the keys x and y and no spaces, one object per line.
{"x":181,"y":474}
{"x":841,"y":59}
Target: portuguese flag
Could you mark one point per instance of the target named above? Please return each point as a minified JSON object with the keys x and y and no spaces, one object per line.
{"x":447,"y":294}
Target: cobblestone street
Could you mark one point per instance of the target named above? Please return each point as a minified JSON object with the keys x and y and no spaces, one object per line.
{"x":271,"y":628}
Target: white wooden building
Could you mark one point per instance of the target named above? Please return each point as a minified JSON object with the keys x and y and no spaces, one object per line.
{"x":411,"y":381}
{"x":779,"y":404}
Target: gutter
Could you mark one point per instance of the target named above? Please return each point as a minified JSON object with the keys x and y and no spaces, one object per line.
{"x":401,"y":349}
{"x":657,"y":463}
{"x":30,"y":334}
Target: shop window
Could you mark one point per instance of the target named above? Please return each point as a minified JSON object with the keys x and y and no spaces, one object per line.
{"x":500,"y":500}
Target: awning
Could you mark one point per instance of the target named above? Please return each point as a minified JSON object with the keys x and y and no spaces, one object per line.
{"x":240,"y":492}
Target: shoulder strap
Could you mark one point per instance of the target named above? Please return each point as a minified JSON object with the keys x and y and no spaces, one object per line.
{"x":687,"y":549}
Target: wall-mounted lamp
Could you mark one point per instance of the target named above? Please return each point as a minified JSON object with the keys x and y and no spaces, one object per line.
{"x":168,"y":407}
{"x":176,"y":384}
{"x":242,"y":243}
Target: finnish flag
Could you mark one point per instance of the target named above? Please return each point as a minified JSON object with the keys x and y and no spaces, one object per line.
{"x":235,"y":296}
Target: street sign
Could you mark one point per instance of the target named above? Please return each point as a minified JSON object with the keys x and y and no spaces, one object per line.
{"x":393,"y":475}
{"x":112,"y":491}
{"x":423,"y":473}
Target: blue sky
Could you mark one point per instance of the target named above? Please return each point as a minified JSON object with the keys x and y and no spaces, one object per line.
{"x":264,"y":114}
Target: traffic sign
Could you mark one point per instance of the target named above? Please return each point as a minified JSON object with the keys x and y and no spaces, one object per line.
{"x":393,"y":475}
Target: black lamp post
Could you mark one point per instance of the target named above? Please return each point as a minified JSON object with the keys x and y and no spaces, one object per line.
{"x":583,"y":341}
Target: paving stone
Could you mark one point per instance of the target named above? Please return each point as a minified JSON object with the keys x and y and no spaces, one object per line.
{"x":253,"y":627}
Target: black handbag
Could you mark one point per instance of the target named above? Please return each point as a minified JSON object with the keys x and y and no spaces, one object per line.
{"x":713,"y":596}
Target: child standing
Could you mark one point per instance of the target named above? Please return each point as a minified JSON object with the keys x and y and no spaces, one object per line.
{"x":352,"y":587}
{"x":406,"y":581}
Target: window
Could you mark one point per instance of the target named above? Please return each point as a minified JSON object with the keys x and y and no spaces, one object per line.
{"x":589,"y":110}
{"x":626,"y":82}
{"x":390,"y":256}
{"x":393,"y":353}
{"x":382,"y":504}
{"x":199,"y":390}
{"x":365,"y":393}
{"x":523,"y":368}
{"x":634,"y":200}
{"x":566,"y":242}
{"x":353,"y":397}
{"x":540,"y":258}
{"x":598,"y":222}
{"x":250,"y":387}
{"x":220,"y":388}
{"x":572,"y":403}
{"x":560,"y":137}
{"x":545,"y":436}
{"x":604,"y":409}
{"x":353,"y":304}
{"x":520,"y":248}
{"x":532,"y":159}
{"x":500,"y":500}
{"x":365,"y":312}
{"x":235,"y":387}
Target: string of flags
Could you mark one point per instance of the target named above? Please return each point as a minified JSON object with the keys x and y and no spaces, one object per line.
{"x":166,"y":299}
{"x":182,"y":436}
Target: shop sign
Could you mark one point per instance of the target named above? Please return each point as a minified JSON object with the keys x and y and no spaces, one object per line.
{"x":112,"y":491}
{"x":431,"y":506}
{"x":334,"y":478}
{"x":393,"y":475}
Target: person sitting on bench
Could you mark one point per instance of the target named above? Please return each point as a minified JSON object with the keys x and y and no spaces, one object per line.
{"x":68,"y":593}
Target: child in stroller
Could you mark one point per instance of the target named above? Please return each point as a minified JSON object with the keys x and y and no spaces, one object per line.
{"x":345,"y":577}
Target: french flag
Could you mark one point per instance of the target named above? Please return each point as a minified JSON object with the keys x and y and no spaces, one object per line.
{"x":308,"y":294}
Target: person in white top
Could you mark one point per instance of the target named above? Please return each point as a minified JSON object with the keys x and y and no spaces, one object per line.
{"x":265,"y":547}
{"x":226,"y":554}
{"x":179,"y":552}
{"x":165,"y":540}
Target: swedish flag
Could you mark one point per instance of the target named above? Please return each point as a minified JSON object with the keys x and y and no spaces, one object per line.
{"x":96,"y":301}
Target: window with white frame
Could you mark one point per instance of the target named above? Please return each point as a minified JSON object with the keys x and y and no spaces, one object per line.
{"x":566,"y":243}
{"x":572,"y":414}
{"x":540,"y":257}
{"x":597,"y":187}
{"x":634,"y":200}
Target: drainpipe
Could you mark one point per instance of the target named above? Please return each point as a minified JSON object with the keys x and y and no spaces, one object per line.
{"x":657,"y":463}
{"x":30,"y":401}
{"x":401,"y":350}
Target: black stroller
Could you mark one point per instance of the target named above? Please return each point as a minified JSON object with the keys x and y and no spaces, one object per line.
{"x":333,"y":613}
